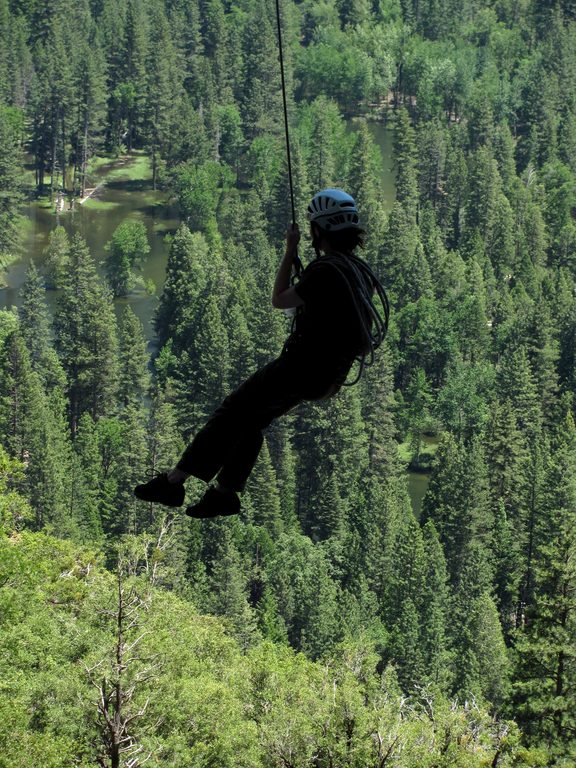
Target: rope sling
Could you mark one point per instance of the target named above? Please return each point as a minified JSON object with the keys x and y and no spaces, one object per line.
{"x":363,"y":284}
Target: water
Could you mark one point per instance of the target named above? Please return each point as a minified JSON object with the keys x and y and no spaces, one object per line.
{"x":118,"y":200}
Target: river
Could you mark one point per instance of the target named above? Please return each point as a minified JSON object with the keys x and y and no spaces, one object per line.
{"x":123,"y":198}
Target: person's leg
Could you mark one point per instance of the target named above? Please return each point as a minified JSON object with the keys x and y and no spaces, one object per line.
{"x":240,"y":461}
{"x":232,"y":437}
{"x":233,"y":433}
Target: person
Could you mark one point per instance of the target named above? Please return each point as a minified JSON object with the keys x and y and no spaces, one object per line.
{"x":332,"y":327}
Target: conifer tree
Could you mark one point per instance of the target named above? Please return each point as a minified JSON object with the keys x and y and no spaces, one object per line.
{"x":405,"y":161}
{"x":364,"y":183}
{"x":457,"y":502}
{"x":451,"y":205}
{"x":431,"y":148}
{"x":242,"y":362}
{"x":129,"y":96}
{"x":86,"y":337}
{"x":545,"y":652}
{"x":324,"y":142}
{"x":260,"y":98}
{"x":164,"y":92}
{"x":10,"y":183}
{"x":435,"y":610}
{"x":56,"y":258}
{"x":34,"y":320}
{"x":470,"y":584}
{"x":131,"y":464}
{"x":32,"y":435}
{"x":406,"y":567}
{"x":228,"y":592}
{"x":86,"y":480}
{"x":186,"y":278}
{"x":378,"y":410}
{"x":263,"y":499}
{"x":90,"y":113}
{"x":320,"y":631}
{"x":405,"y":648}
{"x":202,"y":372}
{"x":398,"y":257}
{"x":133,"y":379}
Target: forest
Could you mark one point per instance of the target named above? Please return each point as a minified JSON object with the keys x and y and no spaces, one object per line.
{"x":332,"y":624}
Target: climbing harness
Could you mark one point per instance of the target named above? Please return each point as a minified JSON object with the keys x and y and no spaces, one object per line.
{"x":296,"y":258}
{"x":362,"y":287}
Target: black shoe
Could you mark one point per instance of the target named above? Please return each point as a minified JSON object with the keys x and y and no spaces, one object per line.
{"x":215,"y":503}
{"x":160,"y":490}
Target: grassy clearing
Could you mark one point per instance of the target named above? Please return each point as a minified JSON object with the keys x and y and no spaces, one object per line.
{"x":99,"y":205}
{"x":427,"y":453}
{"x":135,"y":168}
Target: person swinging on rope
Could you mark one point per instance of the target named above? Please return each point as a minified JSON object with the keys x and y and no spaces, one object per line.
{"x":336,"y":324}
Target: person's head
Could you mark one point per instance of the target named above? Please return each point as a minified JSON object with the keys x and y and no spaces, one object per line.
{"x":334,"y":221}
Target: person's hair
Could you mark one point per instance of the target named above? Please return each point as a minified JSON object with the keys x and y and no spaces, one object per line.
{"x":344,"y":239}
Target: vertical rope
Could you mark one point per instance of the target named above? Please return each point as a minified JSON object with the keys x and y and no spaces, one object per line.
{"x":297,"y":262}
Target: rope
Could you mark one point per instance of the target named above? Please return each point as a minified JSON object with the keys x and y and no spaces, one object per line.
{"x":362,"y":285}
{"x":362,"y":288}
{"x":296,"y":259}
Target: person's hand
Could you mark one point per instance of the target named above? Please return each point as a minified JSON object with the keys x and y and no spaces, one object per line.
{"x":292,"y":238}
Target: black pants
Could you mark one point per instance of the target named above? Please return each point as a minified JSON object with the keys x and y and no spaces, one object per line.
{"x":230,"y":441}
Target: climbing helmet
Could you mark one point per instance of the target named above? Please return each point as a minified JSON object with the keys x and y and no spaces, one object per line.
{"x":333,"y":209}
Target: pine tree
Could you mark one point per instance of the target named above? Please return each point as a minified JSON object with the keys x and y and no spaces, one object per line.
{"x":186,"y":278}
{"x":405,"y":161}
{"x":86,"y":339}
{"x":134,"y":379}
{"x":34,"y":321}
{"x":260,"y":99}
{"x":405,"y":649}
{"x":85,"y":472}
{"x":90,"y":112}
{"x":202,"y":372}
{"x":434,"y":610}
{"x":364,"y":184}
{"x":242,"y":355}
{"x":10,"y":183}
{"x":34,"y":434}
{"x":164,"y":91}
{"x":545,"y":653}
{"x":431,"y":148}
{"x":398,"y":257}
{"x":457,"y":502}
{"x":320,"y":631}
{"x":56,"y":258}
{"x":378,"y":410}
{"x":228,"y":592}
{"x":323,"y":142}
{"x":263,"y":500}
{"x":452,"y":202}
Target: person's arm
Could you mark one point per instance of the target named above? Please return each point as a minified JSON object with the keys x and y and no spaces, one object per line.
{"x":283,"y":295}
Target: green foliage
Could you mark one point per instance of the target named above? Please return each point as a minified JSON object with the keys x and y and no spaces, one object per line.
{"x":477,"y":252}
{"x":127,"y":250}
{"x":10,"y":180}
{"x":186,"y":689}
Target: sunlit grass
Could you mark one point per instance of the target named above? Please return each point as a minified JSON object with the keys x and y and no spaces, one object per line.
{"x":135,"y":168}
{"x":427,"y":451}
{"x":100,"y":205}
